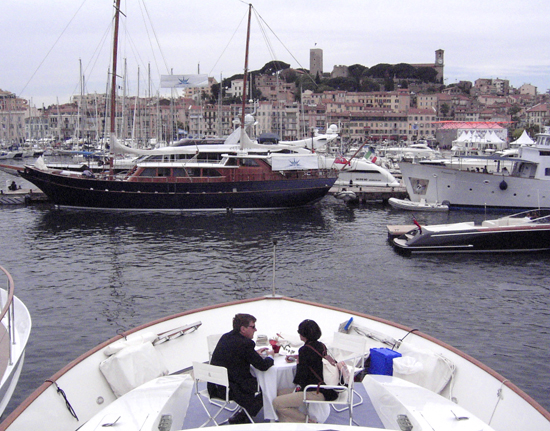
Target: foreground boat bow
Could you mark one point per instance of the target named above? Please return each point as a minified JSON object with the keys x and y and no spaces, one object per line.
{"x":447,"y":388}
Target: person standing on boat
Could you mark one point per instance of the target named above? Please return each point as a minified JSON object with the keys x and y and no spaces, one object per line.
{"x":236,"y":352}
{"x":309,"y":371}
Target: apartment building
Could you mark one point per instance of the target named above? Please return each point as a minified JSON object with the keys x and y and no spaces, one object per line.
{"x":538,"y":115}
{"x":275,"y":89}
{"x":13,"y":112}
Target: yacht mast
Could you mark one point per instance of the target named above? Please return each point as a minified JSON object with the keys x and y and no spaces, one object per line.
{"x":245,"y":71}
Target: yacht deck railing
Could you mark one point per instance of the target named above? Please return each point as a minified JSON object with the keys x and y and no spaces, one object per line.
{"x":7,"y":313}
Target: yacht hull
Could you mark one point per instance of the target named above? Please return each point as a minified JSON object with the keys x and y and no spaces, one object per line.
{"x":71,"y":191}
{"x":459,"y":188}
{"x":482,"y":240}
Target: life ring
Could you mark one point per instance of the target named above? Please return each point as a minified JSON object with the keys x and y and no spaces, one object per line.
{"x":503,"y":185}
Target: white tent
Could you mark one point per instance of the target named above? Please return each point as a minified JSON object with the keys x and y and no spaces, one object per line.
{"x":523,"y":140}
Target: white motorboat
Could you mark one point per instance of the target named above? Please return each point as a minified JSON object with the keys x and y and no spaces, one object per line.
{"x":413,"y":152}
{"x":358,"y":172}
{"x":15,"y":328}
{"x":140,"y":379}
{"x":527,"y":231}
{"x":352,"y":171}
{"x":526,"y":185}
{"x":406,"y":204}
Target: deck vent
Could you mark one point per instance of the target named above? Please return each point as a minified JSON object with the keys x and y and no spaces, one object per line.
{"x":165,"y":423}
{"x":404,"y":423}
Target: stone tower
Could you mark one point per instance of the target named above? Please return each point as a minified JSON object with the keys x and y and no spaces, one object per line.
{"x":315,"y":61}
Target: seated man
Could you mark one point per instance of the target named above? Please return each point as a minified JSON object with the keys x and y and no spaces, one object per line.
{"x":235,"y":351}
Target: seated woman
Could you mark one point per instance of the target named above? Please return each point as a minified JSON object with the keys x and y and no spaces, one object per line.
{"x":309,"y":371}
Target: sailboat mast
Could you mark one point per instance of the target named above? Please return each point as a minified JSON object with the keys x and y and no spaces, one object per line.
{"x":113,"y":79}
{"x":246,"y":65}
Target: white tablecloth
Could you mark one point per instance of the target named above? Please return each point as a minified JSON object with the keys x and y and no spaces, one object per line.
{"x":279,"y":376}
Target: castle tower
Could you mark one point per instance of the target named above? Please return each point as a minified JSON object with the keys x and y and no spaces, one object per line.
{"x":315,"y":62}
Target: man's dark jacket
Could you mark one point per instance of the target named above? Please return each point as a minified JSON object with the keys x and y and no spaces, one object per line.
{"x":237,"y":353}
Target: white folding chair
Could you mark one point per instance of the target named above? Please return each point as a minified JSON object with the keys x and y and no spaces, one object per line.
{"x":217,"y":375}
{"x":212,"y":342}
{"x":345,"y":390}
{"x":352,"y":348}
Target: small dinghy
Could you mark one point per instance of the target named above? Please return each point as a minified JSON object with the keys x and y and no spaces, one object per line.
{"x":405,"y":204}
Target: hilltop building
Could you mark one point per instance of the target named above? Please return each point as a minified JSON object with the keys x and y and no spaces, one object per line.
{"x":438,"y":65}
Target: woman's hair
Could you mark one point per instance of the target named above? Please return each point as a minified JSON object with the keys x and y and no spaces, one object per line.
{"x":309,"y":330}
{"x":242,"y":320}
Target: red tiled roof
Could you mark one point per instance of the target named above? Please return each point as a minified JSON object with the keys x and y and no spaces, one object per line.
{"x":470,"y":124}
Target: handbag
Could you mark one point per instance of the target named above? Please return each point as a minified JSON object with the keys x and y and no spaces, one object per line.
{"x":331,"y":373}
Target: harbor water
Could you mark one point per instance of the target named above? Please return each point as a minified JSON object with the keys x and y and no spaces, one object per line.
{"x":85,"y":275}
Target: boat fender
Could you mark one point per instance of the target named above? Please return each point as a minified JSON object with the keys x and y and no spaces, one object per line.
{"x":447,"y":203}
{"x":503,"y":185}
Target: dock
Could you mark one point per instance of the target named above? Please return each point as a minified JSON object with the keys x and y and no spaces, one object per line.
{"x":364,"y":194}
{"x":22,"y":197}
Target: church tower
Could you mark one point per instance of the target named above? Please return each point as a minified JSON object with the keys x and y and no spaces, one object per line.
{"x":439,"y":64}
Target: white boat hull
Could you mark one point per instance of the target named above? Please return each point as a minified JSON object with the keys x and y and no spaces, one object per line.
{"x":459,"y":188}
{"x":20,"y":328}
{"x":475,"y":390}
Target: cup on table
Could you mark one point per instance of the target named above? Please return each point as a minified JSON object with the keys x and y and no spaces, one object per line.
{"x":274,"y":346}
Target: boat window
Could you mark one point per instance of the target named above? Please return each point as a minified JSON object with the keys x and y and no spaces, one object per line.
{"x":547,"y":172}
{"x":193,"y":172}
{"x":179,"y":172}
{"x":163,"y":172}
{"x":231,"y":162}
{"x":249,"y":162}
{"x":209,"y":157}
{"x":208,"y":172}
{"x":148,"y":172}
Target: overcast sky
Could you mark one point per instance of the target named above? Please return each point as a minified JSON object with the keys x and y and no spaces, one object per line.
{"x":43,"y":41}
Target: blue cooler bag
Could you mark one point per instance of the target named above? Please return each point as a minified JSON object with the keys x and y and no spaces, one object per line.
{"x":381,"y":361}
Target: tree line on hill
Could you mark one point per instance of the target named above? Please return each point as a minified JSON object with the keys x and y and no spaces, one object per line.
{"x":381,"y":77}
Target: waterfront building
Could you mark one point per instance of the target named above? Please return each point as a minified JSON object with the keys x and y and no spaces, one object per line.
{"x":13,"y":111}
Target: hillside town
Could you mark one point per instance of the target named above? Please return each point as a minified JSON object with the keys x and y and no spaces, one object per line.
{"x":385,"y":103}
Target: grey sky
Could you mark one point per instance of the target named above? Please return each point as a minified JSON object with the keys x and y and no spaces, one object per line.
{"x":43,"y":41}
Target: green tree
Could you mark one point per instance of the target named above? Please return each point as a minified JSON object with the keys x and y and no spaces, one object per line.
{"x":426,"y":74}
{"x":380,"y":70}
{"x":389,"y":85}
{"x":344,"y":84}
{"x":273,"y":67}
{"x":532,"y":129}
{"x":517,"y":133}
{"x":404,"y":71}
{"x":357,"y":72}
{"x":513,"y":112}
{"x":369,"y":86}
